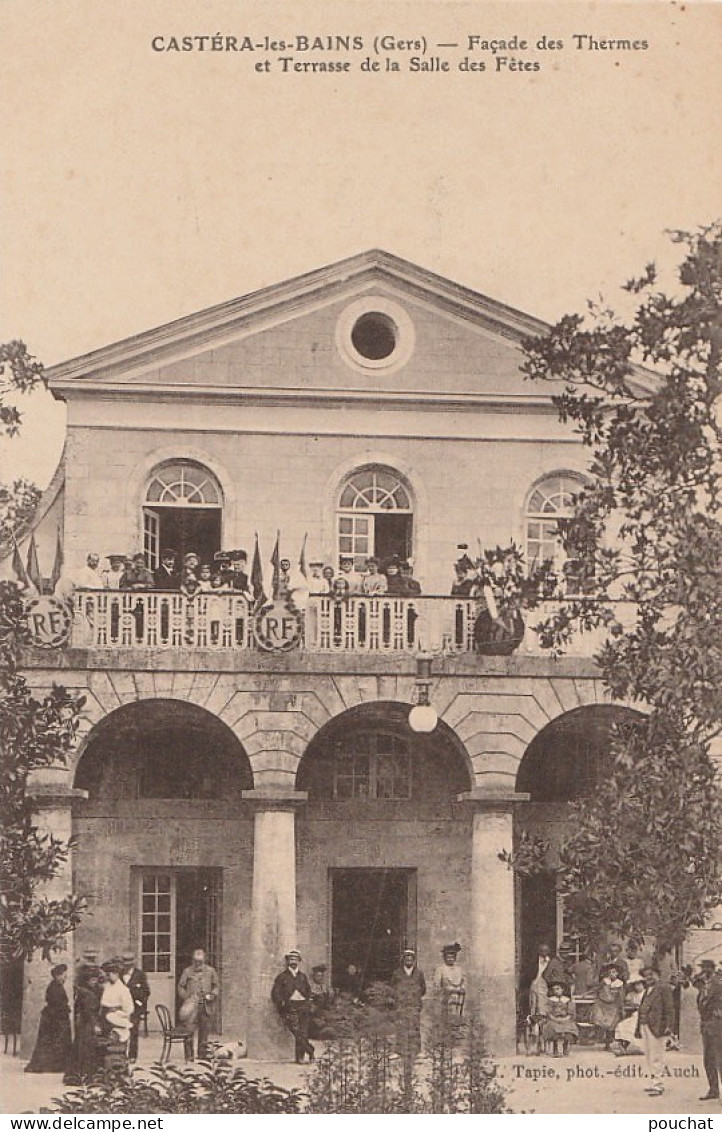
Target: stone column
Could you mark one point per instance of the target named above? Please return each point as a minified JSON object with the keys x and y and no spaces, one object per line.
{"x":493,"y":929}
{"x":53,"y":799}
{"x":273,"y":916}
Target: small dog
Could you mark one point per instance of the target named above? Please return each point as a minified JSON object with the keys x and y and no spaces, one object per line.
{"x":227,"y":1053}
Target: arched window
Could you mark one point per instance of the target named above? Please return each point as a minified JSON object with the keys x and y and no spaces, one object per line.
{"x":182,"y":512}
{"x":372,"y":764}
{"x":551,"y":500}
{"x":375,"y":516}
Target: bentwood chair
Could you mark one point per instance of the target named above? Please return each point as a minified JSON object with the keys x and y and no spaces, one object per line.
{"x":173,"y":1034}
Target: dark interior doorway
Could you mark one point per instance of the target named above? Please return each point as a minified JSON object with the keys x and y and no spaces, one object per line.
{"x":538,"y":919}
{"x":198,"y":917}
{"x":392,"y":536}
{"x":184,"y":529}
{"x":372,"y":920}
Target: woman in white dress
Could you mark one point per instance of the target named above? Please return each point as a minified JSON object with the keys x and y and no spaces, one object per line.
{"x":116,"y":1003}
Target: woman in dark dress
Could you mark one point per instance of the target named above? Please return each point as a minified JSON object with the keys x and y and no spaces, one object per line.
{"x":86,"y":1057}
{"x":52,"y":1049}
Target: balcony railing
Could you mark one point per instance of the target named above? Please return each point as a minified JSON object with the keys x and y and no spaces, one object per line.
{"x":225,"y":622}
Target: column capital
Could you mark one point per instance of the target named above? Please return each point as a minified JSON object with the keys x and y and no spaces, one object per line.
{"x":482,"y":799}
{"x":269,"y":799}
{"x":52,"y":796}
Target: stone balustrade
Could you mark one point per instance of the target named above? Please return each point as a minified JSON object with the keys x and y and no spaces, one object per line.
{"x":223,"y":622}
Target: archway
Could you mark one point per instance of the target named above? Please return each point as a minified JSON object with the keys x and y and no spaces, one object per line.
{"x":380,"y":837}
{"x":563,"y":763}
{"x":163,"y":848}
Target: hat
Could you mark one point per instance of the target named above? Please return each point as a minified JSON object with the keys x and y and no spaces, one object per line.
{"x":221,"y":556}
{"x":113,"y":558}
{"x":319,"y":967}
{"x":293,"y":954}
{"x":191,"y":554}
{"x":312,"y":564}
{"x":168,"y":553}
{"x":707,"y":964}
{"x":59,"y":970}
{"x":451,"y":949}
{"x":409,"y":951}
{"x":113,"y":965}
{"x":128,"y":957}
{"x":237,"y":555}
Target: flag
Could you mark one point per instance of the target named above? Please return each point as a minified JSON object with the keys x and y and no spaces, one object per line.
{"x":276,"y":563}
{"x":302,"y":557}
{"x":259,"y":595}
{"x":18,"y":568}
{"x":58,"y":564}
{"x":33,"y":566}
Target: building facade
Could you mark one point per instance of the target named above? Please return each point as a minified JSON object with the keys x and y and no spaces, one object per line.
{"x":251,"y":783}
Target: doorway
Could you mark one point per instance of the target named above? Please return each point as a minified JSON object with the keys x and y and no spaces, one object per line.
{"x":392,"y":536}
{"x":178,"y":911}
{"x":373,"y":916}
{"x":182,"y":529}
{"x":538,"y":919}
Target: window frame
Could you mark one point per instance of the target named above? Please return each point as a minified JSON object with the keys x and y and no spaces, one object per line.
{"x":346,"y":752}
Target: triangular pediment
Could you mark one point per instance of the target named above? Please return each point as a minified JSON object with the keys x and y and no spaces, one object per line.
{"x":286,"y":337}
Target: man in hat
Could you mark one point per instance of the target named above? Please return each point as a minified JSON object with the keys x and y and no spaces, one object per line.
{"x":167,"y":576}
{"x":136,"y":981}
{"x":238,"y":574}
{"x":709,"y":1003}
{"x":409,"y":987}
{"x":655,"y":1019}
{"x":199,"y":986}
{"x":291,"y":995}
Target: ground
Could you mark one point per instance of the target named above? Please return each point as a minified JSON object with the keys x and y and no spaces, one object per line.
{"x":589,"y":1081}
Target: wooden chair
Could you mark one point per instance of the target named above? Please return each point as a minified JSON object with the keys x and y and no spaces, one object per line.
{"x":173,"y":1034}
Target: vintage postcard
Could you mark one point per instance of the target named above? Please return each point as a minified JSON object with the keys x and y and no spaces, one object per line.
{"x":282,"y":265}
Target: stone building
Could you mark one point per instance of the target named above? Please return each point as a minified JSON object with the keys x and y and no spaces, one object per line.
{"x":252,"y":784}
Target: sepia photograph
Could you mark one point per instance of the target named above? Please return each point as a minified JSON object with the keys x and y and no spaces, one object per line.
{"x":360,"y":543}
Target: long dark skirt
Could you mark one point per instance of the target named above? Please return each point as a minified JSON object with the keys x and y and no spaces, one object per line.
{"x":52,"y":1048}
{"x":87,"y":1055}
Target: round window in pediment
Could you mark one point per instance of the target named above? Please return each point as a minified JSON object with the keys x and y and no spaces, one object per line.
{"x":375,"y":333}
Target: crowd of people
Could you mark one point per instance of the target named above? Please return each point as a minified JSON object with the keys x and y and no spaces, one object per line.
{"x":311,"y":1008}
{"x":629,"y":1000}
{"x":110,"y":1000}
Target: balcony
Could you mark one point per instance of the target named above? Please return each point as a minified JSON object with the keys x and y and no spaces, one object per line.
{"x":228,"y":623}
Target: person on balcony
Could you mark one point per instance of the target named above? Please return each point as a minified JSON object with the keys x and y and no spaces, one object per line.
{"x":328,"y":574}
{"x":316,"y":582}
{"x":466,"y":577}
{"x":395,"y":586}
{"x":374,"y":583}
{"x":136,"y":575}
{"x":238,"y":575}
{"x":412,"y":587}
{"x":114,"y":572}
{"x":167,"y":576}
{"x":89,"y":576}
{"x":347,"y":571}
{"x":205,"y":578}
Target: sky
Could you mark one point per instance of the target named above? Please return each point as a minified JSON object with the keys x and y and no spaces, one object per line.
{"x":142,"y":185}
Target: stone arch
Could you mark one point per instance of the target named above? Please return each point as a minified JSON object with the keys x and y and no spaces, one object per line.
{"x":170,"y":728}
{"x":382,"y":714}
{"x":565,"y":759}
{"x":498,"y":724}
{"x":105,"y":692}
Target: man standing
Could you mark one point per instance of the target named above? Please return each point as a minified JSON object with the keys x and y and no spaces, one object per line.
{"x":199,"y":985}
{"x":89,"y":576}
{"x":291,"y":995}
{"x":136,"y":981}
{"x":409,"y":987}
{"x":167,"y":576}
{"x":655,"y":1018}
{"x":709,"y":1004}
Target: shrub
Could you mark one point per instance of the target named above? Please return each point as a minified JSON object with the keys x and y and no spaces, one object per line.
{"x":172,"y":1089}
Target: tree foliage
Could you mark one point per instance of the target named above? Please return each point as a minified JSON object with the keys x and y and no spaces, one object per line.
{"x":645,"y":396}
{"x":35,"y":733}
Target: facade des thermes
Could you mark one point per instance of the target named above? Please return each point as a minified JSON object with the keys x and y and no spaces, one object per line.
{"x":247,"y":778}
